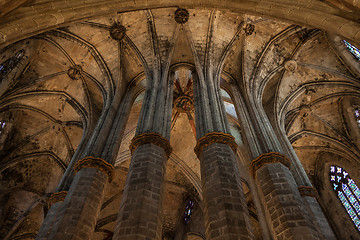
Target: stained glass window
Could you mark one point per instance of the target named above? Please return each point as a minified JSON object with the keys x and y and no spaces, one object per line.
{"x":347,"y":191}
{"x":10,"y":63}
{"x":188,"y":211}
{"x":357,"y":116}
{"x":353,"y":49}
{"x":2,"y":126}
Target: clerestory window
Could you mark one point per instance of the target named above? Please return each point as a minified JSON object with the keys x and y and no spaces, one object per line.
{"x":2,"y":126}
{"x":354,"y":51}
{"x":347,"y":191}
{"x":188,"y":211}
{"x":8,"y":65}
{"x":357,"y":116}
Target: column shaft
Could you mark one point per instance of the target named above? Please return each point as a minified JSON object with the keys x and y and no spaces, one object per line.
{"x":285,"y":208}
{"x":226,"y":213}
{"x":139,"y":216}
{"x":77,"y":216}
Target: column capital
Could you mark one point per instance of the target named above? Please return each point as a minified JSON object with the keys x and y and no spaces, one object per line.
{"x":307,"y":191}
{"x":266,"y":158}
{"x":93,"y":162}
{"x":214,"y":137}
{"x":57,"y":197}
{"x":153,"y":138}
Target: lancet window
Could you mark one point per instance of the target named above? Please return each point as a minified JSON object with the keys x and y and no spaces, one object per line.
{"x":347,"y":191}
{"x":8,"y":65}
{"x":357,"y":115}
{"x":2,"y":126}
{"x":352,"y":49}
{"x":188,"y":211}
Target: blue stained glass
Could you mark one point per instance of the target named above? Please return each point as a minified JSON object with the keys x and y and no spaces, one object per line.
{"x":347,"y":191}
{"x":350,"y":211}
{"x":188,"y":211}
{"x":354,"y":188}
{"x":338,"y":178}
{"x":351,"y":198}
{"x":353,"y":49}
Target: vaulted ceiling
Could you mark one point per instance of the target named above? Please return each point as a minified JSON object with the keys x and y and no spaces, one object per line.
{"x":54,"y":96}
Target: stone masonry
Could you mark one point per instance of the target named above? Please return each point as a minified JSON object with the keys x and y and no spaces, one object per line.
{"x":139,"y":217}
{"x":226,"y":214}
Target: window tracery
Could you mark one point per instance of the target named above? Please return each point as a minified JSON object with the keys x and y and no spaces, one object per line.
{"x":8,"y":65}
{"x":188,"y":211}
{"x":347,"y":191}
{"x":352,"y":49}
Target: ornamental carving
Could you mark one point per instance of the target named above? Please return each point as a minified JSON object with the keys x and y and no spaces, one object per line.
{"x":249,"y":29}
{"x":74,"y":72}
{"x":184,"y":103}
{"x":306,"y":191}
{"x":93,"y":162}
{"x":57,"y":197}
{"x":153,"y":138}
{"x":181,"y":15}
{"x":215,"y":137}
{"x":266,"y":158}
{"x":117,"y":32}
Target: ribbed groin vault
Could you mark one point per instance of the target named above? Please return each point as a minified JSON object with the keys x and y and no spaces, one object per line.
{"x":185,"y":120}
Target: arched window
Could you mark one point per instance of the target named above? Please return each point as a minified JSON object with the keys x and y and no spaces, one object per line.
{"x":8,"y":65}
{"x":347,"y":191}
{"x":357,"y":115}
{"x":2,"y":126}
{"x":353,"y":49}
{"x":188,"y":211}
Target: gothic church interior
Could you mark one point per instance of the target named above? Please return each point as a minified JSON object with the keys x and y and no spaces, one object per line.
{"x":267,"y":92}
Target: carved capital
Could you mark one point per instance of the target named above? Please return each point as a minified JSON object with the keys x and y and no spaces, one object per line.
{"x":215,"y":137}
{"x":266,"y":158}
{"x":306,"y":191}
{"x":153,"y":138}
{"x":57,"y":197}
{"x":93,"y":162}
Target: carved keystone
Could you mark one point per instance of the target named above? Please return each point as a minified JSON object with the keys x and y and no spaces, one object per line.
{"x":181,"y":15}
{"x":249,"y":29}
{"x":117,"y":32}
{"x":290,"y":65}
{"x":74,"y":72}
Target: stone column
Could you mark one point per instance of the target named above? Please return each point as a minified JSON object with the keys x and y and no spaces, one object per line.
{"x":310,"y":196}
{"x":140,"y":214}
{"x":225,"y":209}
{"x":141,"y":206}
{"x":75,"y":217}
{"x":285,"y":208}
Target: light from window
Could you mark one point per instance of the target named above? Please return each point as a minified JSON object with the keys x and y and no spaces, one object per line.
{"x":357,"y":116}
{"x":8,"y":65}
{"x":353,"y":49}
{"x":2,"y":126}
{"x":188,"y":211}
{"x":347,"y":191}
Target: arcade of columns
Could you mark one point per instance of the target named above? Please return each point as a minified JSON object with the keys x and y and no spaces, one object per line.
{"x":291,"y":210}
